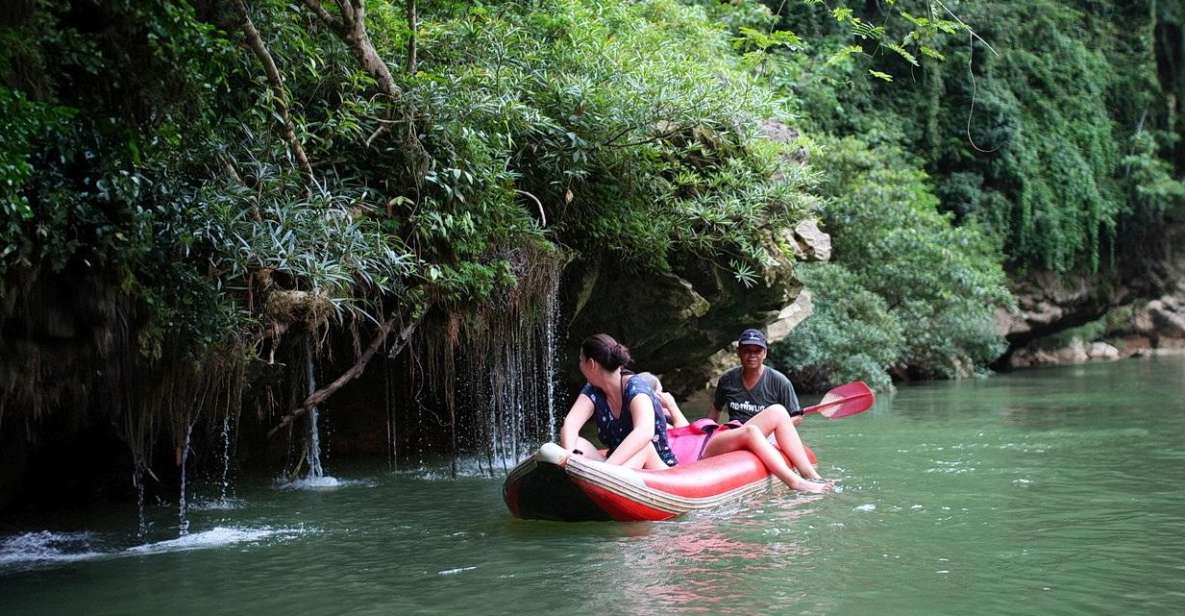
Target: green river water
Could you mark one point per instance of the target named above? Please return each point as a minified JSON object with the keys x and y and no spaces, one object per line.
{"x":1051,"y":491}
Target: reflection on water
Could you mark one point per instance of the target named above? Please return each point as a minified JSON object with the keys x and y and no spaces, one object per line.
{"x":1049,"y":491}
{"x":706,"y":563}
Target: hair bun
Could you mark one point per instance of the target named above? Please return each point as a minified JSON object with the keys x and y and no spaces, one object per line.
{"x":607,"y":352}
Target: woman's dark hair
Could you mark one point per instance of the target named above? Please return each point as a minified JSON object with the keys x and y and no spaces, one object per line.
{"x":606,"y":351}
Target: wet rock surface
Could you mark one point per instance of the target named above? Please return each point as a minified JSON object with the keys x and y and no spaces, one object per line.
{"x":683,"y":324}
{"x":1145,"y":309}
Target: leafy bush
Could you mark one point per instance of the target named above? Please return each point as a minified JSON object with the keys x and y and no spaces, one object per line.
{"x":851,"y":335}
{"x":1046,"y":127}
{"x":936,"y":285}
{"x":632,"y":124}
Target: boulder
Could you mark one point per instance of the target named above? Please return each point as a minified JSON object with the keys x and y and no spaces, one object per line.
{"x":789,"y":317}
{"x":1166,"y":317}
{"x":1075,"y":353}
{"x":808,"y":241}
{"x":1102,"y":351}
{"x":675,"y":322}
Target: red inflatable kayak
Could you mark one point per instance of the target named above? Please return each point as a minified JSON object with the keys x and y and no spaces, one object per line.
{"x":552,"y":485}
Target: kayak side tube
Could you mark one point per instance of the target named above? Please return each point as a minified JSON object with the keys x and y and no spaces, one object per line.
{"x":624,"y":494}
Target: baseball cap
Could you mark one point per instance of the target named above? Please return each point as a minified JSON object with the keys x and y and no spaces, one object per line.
{"x":754,"y":337}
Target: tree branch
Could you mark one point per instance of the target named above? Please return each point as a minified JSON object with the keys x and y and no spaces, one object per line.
{"x":411,"y":40}
{"x":255,"y":42}
{"x":322,"y":394}
{"x":319,"y":11}
{"x":351,"y":29}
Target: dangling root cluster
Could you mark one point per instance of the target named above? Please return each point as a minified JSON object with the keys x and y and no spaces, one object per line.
{"x":489,"y":371}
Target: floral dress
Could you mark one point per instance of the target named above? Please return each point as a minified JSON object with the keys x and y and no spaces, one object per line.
{"x":613,"y":430}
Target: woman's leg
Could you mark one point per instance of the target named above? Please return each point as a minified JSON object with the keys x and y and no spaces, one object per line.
{"x":752,"y":438}
{"x":646,"y":458}
{"x":776,"y":420}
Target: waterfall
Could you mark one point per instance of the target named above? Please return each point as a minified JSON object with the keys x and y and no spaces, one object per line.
{"x":508,"y":374}
{"x":182,"y":510}
{"x":142,"y":521}
{"x":313,"y":442}
{"x":482,"y":384}
{"x":550,"y":325}
{"x":223,"y":495}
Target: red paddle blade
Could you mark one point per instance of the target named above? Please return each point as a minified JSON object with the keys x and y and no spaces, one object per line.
{"x":849,"y":399}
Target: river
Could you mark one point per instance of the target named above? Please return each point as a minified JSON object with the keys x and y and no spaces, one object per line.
{"x":1048,"y":491}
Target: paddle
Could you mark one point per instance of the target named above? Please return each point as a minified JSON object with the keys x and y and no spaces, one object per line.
{"x":849,"y":399}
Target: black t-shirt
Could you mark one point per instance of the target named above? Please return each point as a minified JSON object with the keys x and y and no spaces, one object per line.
{"x":742,"y":404}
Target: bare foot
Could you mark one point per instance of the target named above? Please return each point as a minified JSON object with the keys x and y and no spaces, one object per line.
{"x":816,"y":487}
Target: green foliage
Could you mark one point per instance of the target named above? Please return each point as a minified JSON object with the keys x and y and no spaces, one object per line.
{"x":851,"y":335}
{"x":1044,"y":133}
{"x":633,"y":125}
{"x":156,"y":154}
{"x":1055,"y":141}
{"x":1047,"y":137}
{"x":313,"y":238}
{"x":1153,"y":189}
{"x":22,"y":123}
{"x":121,"y":168}
{"x":928,"y":287}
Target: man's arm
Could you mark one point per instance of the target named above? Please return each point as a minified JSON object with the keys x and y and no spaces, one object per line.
{"x":718,"y":401}
{"x":789,"y":399}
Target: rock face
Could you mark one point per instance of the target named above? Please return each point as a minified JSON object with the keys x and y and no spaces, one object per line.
{"x":1047,"y":303}
{"x":1078,"y":352}
{"x":1156,"y":327}
{"x":676,"y":323}
{"x":810,"y":243}
{"x":1163,"y":317}
{"x":668,"y":322}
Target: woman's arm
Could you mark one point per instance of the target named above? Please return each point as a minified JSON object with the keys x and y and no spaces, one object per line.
{"x":642,"y":412}
{"x":580,"y":412}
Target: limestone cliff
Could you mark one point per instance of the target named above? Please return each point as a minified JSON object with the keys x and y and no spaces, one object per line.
{"x":676,"y":322}
{"x":1144,"y":303}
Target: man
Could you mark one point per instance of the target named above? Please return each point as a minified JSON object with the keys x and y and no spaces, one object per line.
{"x":752,"y":387}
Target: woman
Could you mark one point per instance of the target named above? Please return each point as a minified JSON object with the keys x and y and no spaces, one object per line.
{"x":628,"y":414}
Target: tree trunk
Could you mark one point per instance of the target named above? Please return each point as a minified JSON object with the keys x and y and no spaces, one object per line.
{"x":350,"y":26}
{"x":411,"y":41}
{"x":279,"y":94}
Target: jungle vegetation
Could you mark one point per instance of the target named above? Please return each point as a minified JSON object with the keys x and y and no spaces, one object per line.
{"x":212,"y":182}
{"x":193,"y":188}
{"x":1046,"y":136}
